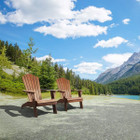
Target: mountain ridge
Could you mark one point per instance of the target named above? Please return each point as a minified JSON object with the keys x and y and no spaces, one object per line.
{"x":128,"y":68}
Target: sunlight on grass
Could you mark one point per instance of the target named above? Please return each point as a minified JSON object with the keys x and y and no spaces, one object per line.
{"x":48,"y":95}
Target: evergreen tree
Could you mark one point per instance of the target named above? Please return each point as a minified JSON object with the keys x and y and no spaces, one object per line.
{"x":26,"y":57}
{"x":91,"y":89}
{"x":47,"y":74}
{"x":4,"y":63}
{"x":56,"y":68}
{"x":61,"y":72}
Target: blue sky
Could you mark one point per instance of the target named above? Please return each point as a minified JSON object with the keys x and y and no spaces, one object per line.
{"x":88,"y":36}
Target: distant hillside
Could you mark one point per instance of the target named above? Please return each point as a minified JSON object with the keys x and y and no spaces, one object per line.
{"x":129,"y":68}
{"x":17,"y":62}
{"x":15,"y":70}
{"x":129,"y":85}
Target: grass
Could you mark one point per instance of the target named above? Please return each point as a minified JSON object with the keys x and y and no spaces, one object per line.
{"x":48,"y":95}
{"x":15,"y":95}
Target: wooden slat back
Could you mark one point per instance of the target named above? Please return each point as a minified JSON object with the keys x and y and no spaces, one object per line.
{"x":31,"y":82}
{"x":64,"y":84}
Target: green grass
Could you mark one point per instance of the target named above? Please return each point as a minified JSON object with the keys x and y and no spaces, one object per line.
{"x":48,"y":95}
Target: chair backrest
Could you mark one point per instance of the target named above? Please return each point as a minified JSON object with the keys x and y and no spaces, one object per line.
{"x":64,"y":84}
{"x":31,"y":82}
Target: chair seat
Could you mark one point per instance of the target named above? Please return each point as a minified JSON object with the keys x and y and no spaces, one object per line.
{"x":46,"y":102}
{"x":74,"y":99}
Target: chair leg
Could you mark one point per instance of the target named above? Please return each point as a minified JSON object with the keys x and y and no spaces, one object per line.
{"x":54,"y":109}
{"x":81,"y":104}
{"x":65,"y":105}
{"x":25,"y":104}
{"x":35,"y":109}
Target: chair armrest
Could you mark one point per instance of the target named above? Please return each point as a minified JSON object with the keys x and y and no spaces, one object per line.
{"x":29,"y":91}
{"x":76,"y":90}
{"x":62,"y":91}
{"x":79,"y":92}
{"x":48,"y":90}
{"x":52,"y":91}
{"x":52,"y":94}
{"x":32,"y":93}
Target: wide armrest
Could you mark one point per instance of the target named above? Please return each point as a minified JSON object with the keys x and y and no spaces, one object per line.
{"x":53,"y":90}
{"x":76,"y":90}
{"x":79,"y":92}
{"x":49,"y":90}
{"x":62,"y":91}
{"x":29,"y":91}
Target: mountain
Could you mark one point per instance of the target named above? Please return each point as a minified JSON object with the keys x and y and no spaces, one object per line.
{"x":129,"y":68}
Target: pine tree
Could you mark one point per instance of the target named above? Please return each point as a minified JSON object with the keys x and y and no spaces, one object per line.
{"x":47,"y":74}
{"x":26,"y":58}
{"x":91,"y":89}
{"x":61,"y":72}
{"x":4,"y":63}
{"x":56,"y":68}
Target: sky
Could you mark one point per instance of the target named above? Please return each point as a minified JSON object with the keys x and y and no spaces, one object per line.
{"x":87,"y":36}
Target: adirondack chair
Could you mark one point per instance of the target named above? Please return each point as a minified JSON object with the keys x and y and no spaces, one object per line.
{"x":66,"y":97}
{"x":33,"y":91}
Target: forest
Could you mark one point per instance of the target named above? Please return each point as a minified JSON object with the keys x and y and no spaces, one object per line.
{"x":47,"y":71}
{"x":130,"y":85}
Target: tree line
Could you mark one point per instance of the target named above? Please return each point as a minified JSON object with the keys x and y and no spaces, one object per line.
{"x":130,"y":85}
{"x":47,"y":71}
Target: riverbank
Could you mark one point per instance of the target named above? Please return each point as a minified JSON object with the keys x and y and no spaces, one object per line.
{"x":102,"y":118}
{"x":133,"y":97}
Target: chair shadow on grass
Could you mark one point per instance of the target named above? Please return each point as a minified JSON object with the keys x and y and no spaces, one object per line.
{"x":16,"y":111}
{"x":60,"y":107}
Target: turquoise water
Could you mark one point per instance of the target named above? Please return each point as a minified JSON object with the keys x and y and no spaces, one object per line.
{"x":134,"y":97}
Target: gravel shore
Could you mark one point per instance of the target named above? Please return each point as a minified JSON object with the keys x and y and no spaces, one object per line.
{"x":103,"y":118}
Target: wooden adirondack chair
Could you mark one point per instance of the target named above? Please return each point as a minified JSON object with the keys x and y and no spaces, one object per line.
{"x":33,"y":90}
{"x":64,"y":88}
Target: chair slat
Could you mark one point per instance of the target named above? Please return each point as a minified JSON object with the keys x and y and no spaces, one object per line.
{"x":64,"y":84}
{"x":31,"y":82}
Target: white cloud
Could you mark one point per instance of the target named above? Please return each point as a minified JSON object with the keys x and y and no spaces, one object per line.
{"x":93,"y":13}
{"x":87,"y":67}
{"x":126,"y":21}
{"x":44,"y":10}
{"x":113,"y":25}
{"x":2,"y":19}
{"x":7,"y":2}
{"x":65,"y":68}
{"x":139,"y":37}
{"x":116,"y":59}
{"x":64,"y":30}
{"x":113,"y":42}
{"x":138,"y":0}
{"x":58,"y":60}
{"x":130,"y":44}
{"x":62,"y":20}
{"x":53,"y":60}
{"x":32,"y":11}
